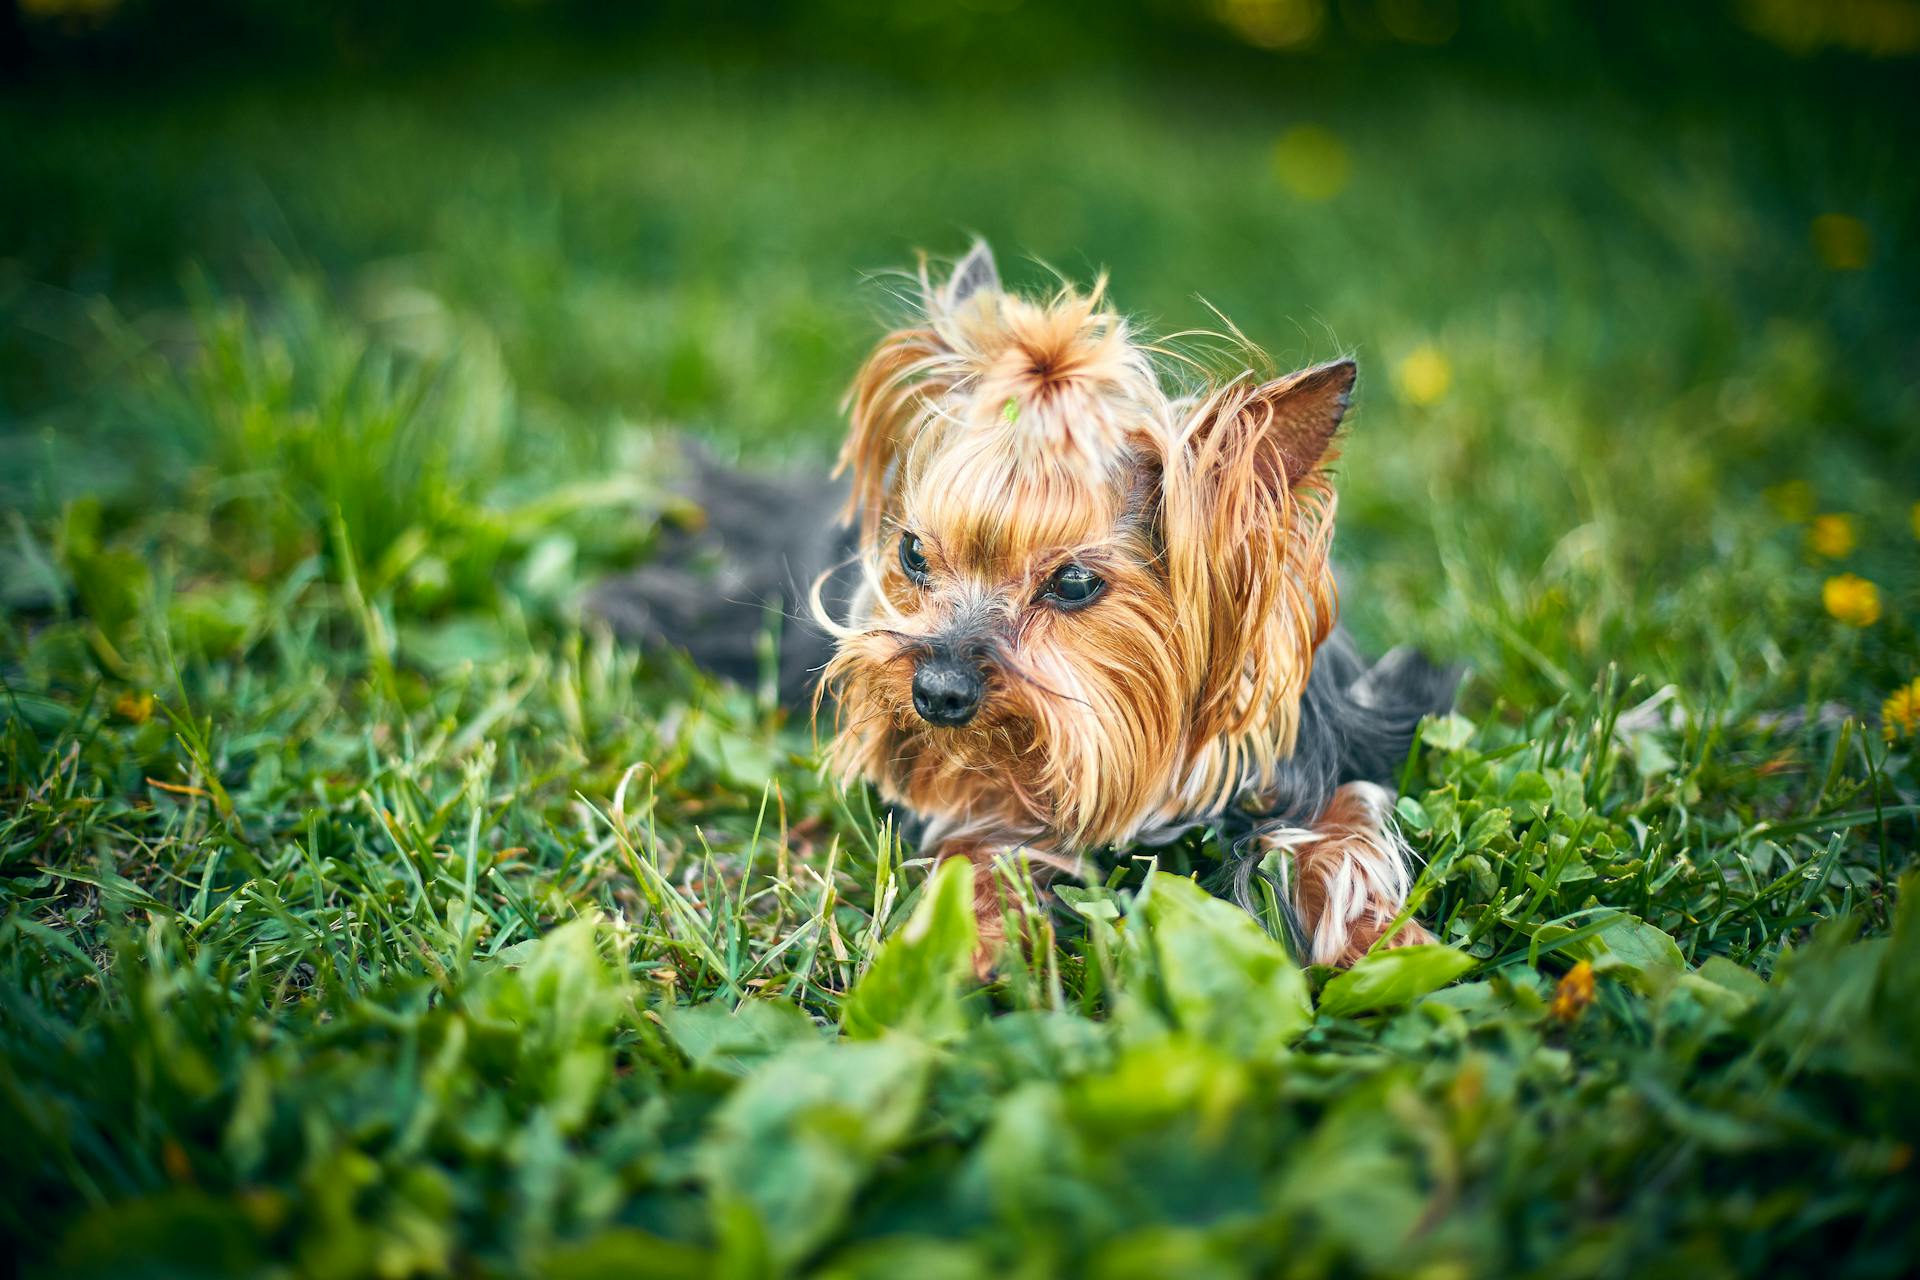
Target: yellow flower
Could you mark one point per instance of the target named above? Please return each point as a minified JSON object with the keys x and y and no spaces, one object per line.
{"x":1273,"y":24}
{"x":1900,"y":713}
{"x":1831,"y":535}
{"x":1852,"y":599}
{"x":1573,"y":994}
{"x":137,"y":707}
{"x":1424,"y":376}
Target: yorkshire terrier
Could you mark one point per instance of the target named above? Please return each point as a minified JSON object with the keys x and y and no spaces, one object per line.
{"x":1092,"y":605}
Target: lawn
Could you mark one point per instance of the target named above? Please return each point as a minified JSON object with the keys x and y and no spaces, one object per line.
{"x":367,"y":909}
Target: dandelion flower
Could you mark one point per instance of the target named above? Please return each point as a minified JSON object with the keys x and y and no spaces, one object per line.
{"x":1832,"y":536}
{"x":135,"y":707}
{"x":1900,"y":713}
{"x":1573,"y":994}
{"x":1851,"y":599}
{"x":1423,"y":376}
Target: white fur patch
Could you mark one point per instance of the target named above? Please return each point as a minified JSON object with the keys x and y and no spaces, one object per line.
{"x":1367,"y":875}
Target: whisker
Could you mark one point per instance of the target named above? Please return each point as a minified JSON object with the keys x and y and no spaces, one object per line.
{"x":1006,"y":662}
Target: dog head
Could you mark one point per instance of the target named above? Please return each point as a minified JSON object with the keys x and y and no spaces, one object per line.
{"x":1088,"y":592}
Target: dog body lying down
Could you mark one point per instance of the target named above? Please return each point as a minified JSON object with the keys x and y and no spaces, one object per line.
{"x":1083,"y":605}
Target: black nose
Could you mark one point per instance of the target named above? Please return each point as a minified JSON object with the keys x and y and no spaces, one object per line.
{"x":946,"y":690}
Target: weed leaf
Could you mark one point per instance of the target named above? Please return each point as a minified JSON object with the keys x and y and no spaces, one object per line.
{"x":917,"y":982}
{"x":1389,"y":979}
{"x":1220,"y":977}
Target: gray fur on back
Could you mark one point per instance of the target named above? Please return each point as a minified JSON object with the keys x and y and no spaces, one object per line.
{"x":748,"y":563}
{"x":1357,"y":722}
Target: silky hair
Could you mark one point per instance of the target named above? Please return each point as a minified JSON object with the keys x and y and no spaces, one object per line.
{"x":1014,"y":435}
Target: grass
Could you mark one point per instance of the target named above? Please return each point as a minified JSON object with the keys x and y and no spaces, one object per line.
{"x":366,"y":910}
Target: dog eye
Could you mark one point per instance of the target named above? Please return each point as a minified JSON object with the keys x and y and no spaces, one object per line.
{"x":913,"y":558}
{"x":1074,"y":586}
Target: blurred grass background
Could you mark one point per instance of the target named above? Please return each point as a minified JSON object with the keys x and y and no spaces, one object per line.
{"x":341,"y":349}
{"x":1609,"y":276}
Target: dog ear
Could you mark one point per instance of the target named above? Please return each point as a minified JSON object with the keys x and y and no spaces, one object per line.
{"x":1279,"y":433}
{"x":975,"y":273}
{"x":1247,"y":512}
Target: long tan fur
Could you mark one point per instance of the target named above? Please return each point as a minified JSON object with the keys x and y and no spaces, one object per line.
{"x":1013,"y":436}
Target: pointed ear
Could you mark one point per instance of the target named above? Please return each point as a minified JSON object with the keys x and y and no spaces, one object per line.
{"x":1280,"y":431}
{"x":975,"y":273}
{"x":1248,"y":522}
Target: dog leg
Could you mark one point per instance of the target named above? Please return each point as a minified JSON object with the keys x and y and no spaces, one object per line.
{"x":997,"y":904}
{"x":1350,"y":876}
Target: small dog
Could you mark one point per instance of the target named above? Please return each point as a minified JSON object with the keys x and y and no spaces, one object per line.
{"x":1077,"y":604}
{"x":1095,"y":608}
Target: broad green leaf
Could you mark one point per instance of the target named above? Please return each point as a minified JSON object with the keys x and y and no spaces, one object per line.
{"x":1096,"y":903}
{"x":1569,"y":792}
{"x":548,"y":571}
{"x":1036,"y":1044}
{"x":919,"y":980}
{"x":1725,"y":973}
{"x":920,"y":1258}
{"x":1413,"y":815}
{"x":1355,"y":1178}
{"x":1027,"y":1151}
{"x":1573,"y":870}
{"x":1479,"y":874}
{"x":1162,"y":1132}
{"x":1629,"y":943}
{"x":562,"y":1003}
{"x":1531,"y":794}
{"x":1467,"y":997}
{"x":801,"y":1136}
{"x":1181,"y":1082}
{"x":1389,"y":979}
{"x":1490,"y":826}
{"x":111,"y":582}
{"x":626,"y":1252}
{"x":1720,"y":1129}
{"x":1221,"y":978}
{"x":1157,"y":1251}
{"x":733,"y":1041}
{"x":1447,"y":733}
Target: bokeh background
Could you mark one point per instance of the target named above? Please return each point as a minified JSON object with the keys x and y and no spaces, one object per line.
{"x":1614,"y":273}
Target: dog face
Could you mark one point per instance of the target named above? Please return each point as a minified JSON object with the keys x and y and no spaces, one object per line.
{"x":1090,"y":600}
